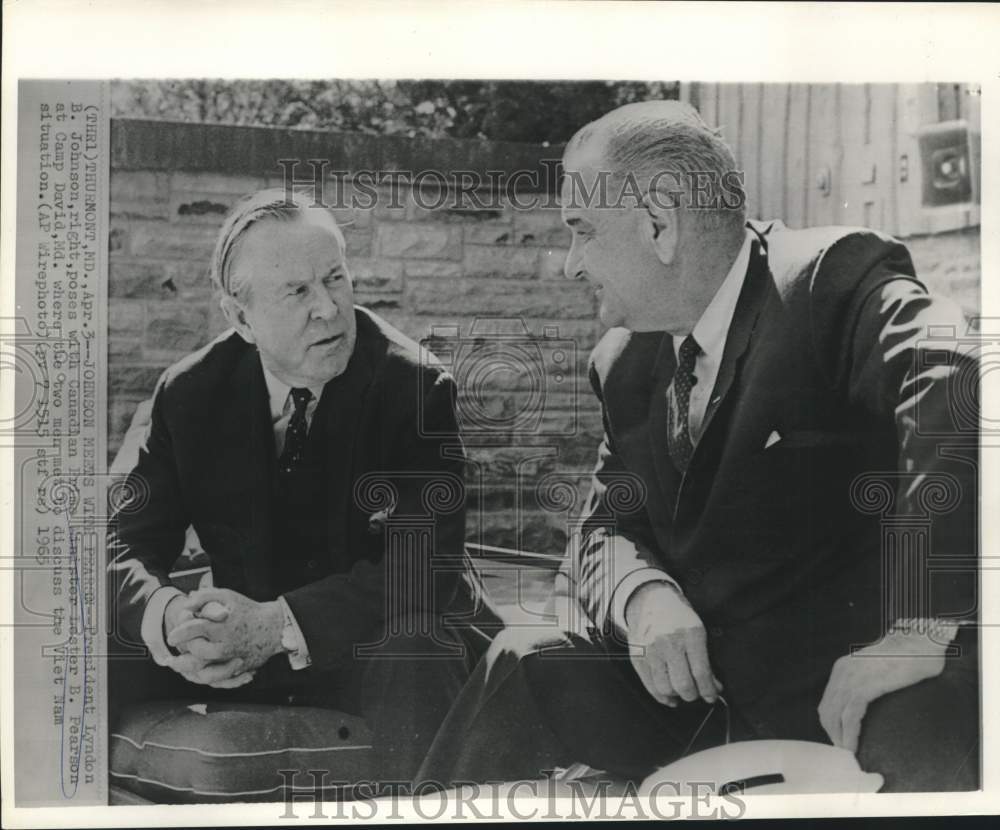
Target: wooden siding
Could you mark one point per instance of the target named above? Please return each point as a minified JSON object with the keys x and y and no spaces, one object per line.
{"x":817,"y":154}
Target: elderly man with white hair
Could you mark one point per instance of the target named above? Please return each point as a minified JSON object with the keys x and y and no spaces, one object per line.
{"x":315,"y":451}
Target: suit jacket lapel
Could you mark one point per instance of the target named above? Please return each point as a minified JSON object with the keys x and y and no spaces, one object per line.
{"x":748,"y":309}
{"x":341,"y":407}
{"x":662,"y":373}
{"x":745,"y":317}
{"x":247,"y":418}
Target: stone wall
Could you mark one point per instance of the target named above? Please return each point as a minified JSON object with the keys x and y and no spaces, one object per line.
{"x":469,"y":279}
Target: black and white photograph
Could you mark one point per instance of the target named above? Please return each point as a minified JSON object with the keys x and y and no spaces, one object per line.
{"x":490,"y":445}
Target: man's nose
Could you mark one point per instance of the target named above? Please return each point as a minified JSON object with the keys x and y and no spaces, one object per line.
{"x":572,"y":268}
{"x":324,"y":307}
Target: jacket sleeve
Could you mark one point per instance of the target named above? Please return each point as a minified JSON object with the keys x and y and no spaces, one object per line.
{"x":902,"y":358}
{"x":420,"y":503}
{"x":147,"y":528}
{"x":615,"y":551}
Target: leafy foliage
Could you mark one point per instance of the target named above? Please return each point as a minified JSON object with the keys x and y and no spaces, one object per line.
{"x":531,"y":111}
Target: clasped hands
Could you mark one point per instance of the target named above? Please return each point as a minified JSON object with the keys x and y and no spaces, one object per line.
{"x":223,"y":636}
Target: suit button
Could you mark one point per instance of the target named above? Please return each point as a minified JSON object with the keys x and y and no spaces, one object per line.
{"x":311,"y":564}
{"x":694,"y":576}
{"x":290,"y":700}
{"x":715,"y":631}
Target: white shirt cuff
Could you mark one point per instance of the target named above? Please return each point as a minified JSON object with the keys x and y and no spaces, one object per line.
{"x":152,"y":623}
{"x":293,"y":640}
{"x":629,"y":585}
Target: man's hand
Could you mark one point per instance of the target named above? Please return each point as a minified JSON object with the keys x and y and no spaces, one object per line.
{"x":178,"y":610}
{"x":226,"y":674}
{"x":900,"y":659}
{"x":668,"y":646}
{"x":223,"y":647}
{"x":182,"y":608}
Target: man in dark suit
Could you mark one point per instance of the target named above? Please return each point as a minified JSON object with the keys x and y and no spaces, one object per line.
{"x":315,"y":451}
{"x":781,"y":533}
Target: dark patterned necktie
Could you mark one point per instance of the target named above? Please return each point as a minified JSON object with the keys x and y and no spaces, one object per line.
{"x":678,"y":403}
{"x":295,"y":436}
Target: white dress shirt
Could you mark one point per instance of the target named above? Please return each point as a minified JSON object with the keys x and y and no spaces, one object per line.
{"x":710,"y":332}
{"x":282,"y":407}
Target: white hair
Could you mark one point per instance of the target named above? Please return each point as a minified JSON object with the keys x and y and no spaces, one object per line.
{"x":273,"y":203}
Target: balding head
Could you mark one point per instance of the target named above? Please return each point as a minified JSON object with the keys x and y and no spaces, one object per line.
{"x":657,"y":212}
{"x":666,"y":146}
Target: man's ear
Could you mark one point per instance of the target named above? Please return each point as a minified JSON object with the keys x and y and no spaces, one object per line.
{"x":237,"y":318}
{"x":660,"y":224}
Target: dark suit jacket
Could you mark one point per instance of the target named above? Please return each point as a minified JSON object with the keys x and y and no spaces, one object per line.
{"x":208,"y":461}
{"x":780,"y":549}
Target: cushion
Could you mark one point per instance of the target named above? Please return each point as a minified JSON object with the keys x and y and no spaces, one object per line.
{"x":183,"y":752}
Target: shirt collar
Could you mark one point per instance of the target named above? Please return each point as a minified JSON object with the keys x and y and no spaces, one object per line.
{"x":277,"y":392}
{"x":712,"y":327}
